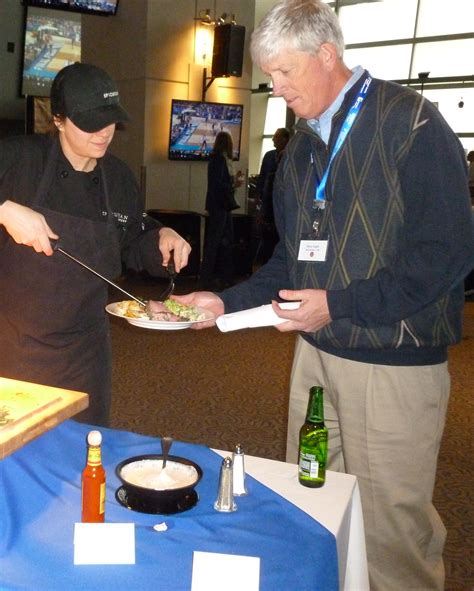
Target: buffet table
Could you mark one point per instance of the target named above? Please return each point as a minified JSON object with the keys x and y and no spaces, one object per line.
{"x":337,"y":506}
{"x":41,"y":502}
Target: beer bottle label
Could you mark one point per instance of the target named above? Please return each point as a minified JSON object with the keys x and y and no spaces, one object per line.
{"x":309,"y":465}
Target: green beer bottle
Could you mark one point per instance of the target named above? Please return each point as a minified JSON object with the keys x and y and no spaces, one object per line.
{"x":313,"y":448}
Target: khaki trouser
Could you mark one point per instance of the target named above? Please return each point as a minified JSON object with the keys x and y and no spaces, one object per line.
{"x":385,"y":426}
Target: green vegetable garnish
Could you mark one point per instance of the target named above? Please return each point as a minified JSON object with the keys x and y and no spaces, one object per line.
{"x":183,"y":311}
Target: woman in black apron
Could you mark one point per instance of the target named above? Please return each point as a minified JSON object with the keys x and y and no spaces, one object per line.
{"x":53,"y":327}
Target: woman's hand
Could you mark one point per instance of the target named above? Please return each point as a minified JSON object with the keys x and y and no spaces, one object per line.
{"x":312,"y":314}
{"x":27,"y":227}
{"x":172,"y":241}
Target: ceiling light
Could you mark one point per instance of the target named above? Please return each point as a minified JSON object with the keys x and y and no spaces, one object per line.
{"x":221,"y":20}
{"x":205,"y":17}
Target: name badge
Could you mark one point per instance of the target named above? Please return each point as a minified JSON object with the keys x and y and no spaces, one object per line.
{"x":313,"y":250}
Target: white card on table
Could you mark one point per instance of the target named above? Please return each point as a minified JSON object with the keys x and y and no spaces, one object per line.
{"x":216,"y":572}
{"x":104,"y":543}
{"x":313,"y":250}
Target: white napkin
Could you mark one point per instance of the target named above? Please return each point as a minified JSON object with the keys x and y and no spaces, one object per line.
{"x":232,"y":572}
{"x":104,"y":543}
{"x":253,"y":317}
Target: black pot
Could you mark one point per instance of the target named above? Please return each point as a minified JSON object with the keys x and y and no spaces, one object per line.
{"x":148,"y":500}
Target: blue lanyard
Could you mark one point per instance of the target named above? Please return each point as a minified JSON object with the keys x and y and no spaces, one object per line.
{"x":319,"y":198}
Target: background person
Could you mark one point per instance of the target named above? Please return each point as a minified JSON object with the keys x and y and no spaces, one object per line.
{"x":264,"y":186}
{"x":381,"y":306}
{"x":470,"y":160}
{"x":53,"y":326}
{"x":271,"y":158}
{"x":217,"y":267}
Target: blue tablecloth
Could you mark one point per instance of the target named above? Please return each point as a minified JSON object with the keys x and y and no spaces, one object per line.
{"x":40,"y":500}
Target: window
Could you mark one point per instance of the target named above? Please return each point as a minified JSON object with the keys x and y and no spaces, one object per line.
{"x":391,"y":62}
{"x":395,"y":20}
{"x":398,"y":39}
{"x":437,"y":17}
{"x":444,"y":58}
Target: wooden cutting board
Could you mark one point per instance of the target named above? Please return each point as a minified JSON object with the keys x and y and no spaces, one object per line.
{"x":27,"y":410}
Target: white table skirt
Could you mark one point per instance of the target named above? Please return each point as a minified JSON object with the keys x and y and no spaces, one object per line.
{"x":336,"y":505}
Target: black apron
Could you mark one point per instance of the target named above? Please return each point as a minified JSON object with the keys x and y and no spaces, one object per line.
{"x":53,"y":326}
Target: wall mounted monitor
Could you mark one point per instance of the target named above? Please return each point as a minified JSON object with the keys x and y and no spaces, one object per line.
{"x":52,"y":41}
{"x":99,"y":7}
{"x":195,"y":124}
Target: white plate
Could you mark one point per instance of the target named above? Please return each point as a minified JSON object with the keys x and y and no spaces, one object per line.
{"x":158,"y":324}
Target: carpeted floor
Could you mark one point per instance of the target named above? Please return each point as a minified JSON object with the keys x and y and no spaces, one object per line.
{"x":454,"y":490}
{"x":222,"y":389}
{"x":203,"y":386}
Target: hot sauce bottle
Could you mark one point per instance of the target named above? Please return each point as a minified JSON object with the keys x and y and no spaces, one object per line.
{"x":93,"y":481}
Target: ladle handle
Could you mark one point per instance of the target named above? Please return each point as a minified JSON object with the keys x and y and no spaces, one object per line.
{"x":57,"y":248}
{"x":165,"y":448}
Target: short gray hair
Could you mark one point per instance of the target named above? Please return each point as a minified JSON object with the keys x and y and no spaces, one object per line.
{"x":303,"y":25}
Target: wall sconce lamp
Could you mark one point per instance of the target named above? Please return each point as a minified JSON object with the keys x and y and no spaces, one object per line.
{"x":205,"y":17}
{"x":221,"y":20}
{"x":225,"y":17}
{"x":203,"y":46}
{"x":203,"y":39}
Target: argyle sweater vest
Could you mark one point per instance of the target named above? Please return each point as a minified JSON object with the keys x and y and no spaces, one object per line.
{"x":364,"y":217}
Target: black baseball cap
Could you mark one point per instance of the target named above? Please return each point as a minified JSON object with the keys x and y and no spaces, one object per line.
{"x":88,"y":96}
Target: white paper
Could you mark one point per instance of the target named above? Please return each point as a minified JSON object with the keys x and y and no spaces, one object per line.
{"x":104,"y":543}
{"x":229,"y":572}
{"x":253,"y":317}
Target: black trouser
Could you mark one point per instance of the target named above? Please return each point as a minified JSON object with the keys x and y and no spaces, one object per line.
{"x":217,"y":260}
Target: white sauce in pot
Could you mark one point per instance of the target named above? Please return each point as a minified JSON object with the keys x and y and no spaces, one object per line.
{"x":150,"y":474}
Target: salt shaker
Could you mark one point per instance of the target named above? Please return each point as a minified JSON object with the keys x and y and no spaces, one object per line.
{"x":225,"y":498}
{"x":238,"y":480}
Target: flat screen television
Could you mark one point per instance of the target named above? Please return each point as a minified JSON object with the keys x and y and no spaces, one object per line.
{"x":52,"y":41}
{"x":195,"y":124}
{"x":99,"y":7}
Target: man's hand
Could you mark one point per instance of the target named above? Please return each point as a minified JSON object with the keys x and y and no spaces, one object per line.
{"x":172,"y":241}
{"x":312,"y":314}
{"x":27,"y":227}
{"x":203,"y":299}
